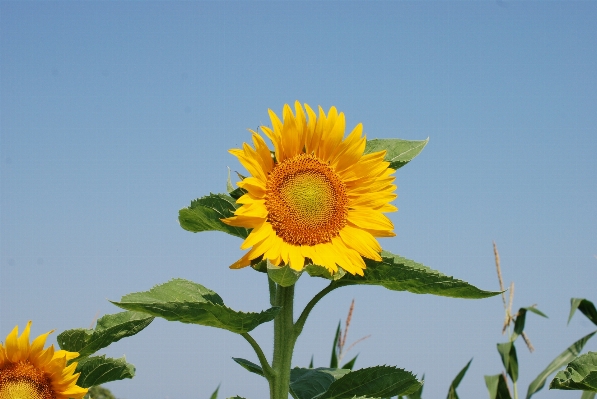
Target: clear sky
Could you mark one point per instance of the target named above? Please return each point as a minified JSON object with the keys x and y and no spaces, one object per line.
{"x":114,"y":115}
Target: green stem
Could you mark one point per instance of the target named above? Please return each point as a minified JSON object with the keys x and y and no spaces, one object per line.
{"x":300,"y":323}
{"x":267,"y":370}
{"x":284,"y":340}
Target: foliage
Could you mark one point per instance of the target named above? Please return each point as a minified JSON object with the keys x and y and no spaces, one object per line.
{"x":99,"y":392}
{"x":96,"y":370}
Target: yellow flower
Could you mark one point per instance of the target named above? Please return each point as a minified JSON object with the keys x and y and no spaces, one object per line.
{"x":28,"y":371}
{"x":317,"y":197}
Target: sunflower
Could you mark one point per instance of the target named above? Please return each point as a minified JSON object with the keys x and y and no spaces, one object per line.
{"x":28,"y":371}
{"x":315,"y":198}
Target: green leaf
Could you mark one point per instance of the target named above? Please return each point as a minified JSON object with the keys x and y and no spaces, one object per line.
{"x":248,"y":365}
{"x":229,"y":189}
{"x":521,"y":317}
{"x":580,"y":374}
{"x":588,"y":395}
{"x":508,"y":353}
{"x":564,"y":358}
{"x":205,"y":213}
{"x":399,"y":152}
{"x":452,"y":391}
{"x":350,"y":364}
{"x":585,"y":306}
{"x":284,"y":276}
{"x":215,"y":394}
{"x":334,"y":357}
{"x":497,"y":387}
{"x":110,"y":328}
{"x":418,"y":393}
{"x":98,"y":370}
{"x":400,"y":274}
{"x":373,"y":382}
{"x":309,"y":383}
{"x":320,"y":271}
{"x":189,"y":302}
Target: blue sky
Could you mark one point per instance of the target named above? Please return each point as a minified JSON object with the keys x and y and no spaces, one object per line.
{"x":114,"y":115}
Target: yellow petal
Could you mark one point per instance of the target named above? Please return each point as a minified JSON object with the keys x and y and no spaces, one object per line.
{"x":369,"y":219}
{"x":361,"y":241}
{"x":257,"y":235}
{"x":297,"y":261}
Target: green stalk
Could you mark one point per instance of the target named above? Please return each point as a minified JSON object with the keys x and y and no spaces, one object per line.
{"x":284,"y":340}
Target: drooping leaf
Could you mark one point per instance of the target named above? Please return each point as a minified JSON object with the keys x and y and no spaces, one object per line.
{"x":400,"y":274}
{"x":452,"y":391}
{"x":521,"y":317}
{"x":334,"y":357}
{"x":507,"y":352}
{"x":96,"y":370}
{"x":189,"y":302}
{"x":588,"y":395}
{"x":309,"y":383}
{"x":205,"y":213}
{"x":373,"y":382}
{"x":399,"y":152}
{"x":497,"y":387}
{"x":282,"y":275}
{"x":215,"y":394}
{"x":585,"y":306}
{"x":563,"y":358}
{"x":109,"y":328}
{"x":248,"y":365}
{"x":580,"y":374}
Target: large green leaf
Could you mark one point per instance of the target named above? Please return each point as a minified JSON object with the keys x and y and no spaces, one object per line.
{"x":507,"y":352}
{"x":110,"y":328}
{"x":189,"y":302}
{"x":249,"y":365}
{"x":564,"y":358}
{"x":452,"y":391}
{"x":497,"y":387}
{"x":400,"y":274}
{"x":399,"y":152}
{"x":373,"y":382}
{"x":521,"y":317}
{"x":282,"y":275}
{"x":588,"y":395}
{"x":98,"y":370}
{"x":205,"y":214}
{"x":585,"y":306}
{"x":309,"y":383}
{"x":580,"y":374}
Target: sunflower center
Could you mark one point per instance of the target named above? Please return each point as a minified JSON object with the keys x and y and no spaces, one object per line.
{"x":22,"y":380}
{"x":306,"y":201}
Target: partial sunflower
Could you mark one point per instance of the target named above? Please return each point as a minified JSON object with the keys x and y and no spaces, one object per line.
{"x":28,"y":371}
{"x":316,"y":197}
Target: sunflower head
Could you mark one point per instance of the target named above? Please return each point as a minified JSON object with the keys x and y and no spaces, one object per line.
{"x":313,"y":198}
{"x":28,"y":371}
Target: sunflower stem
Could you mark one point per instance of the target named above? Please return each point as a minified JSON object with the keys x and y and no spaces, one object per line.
{"x":284,"y":340}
